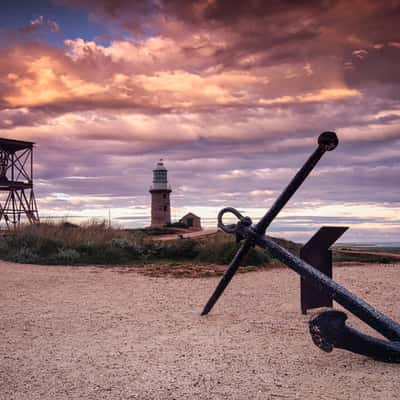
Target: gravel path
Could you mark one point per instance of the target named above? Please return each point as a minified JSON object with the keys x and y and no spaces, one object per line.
{"x":94,"y":333}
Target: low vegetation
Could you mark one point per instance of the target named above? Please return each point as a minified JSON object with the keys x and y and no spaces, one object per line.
{"x":95,"y":243}
{"x":363,"y":257}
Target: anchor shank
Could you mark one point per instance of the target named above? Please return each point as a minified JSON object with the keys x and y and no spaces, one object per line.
{"x":290,"y":190}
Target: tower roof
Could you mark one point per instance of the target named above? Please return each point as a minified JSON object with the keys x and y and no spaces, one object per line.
{"x":15,"y":145}
{"x":160,"y":178}
{"x":160,"y":166}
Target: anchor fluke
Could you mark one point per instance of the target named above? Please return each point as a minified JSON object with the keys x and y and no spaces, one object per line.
{"x":329,"y":330}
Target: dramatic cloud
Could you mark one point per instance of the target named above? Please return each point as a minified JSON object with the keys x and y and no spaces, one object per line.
{"x":231,"y":94}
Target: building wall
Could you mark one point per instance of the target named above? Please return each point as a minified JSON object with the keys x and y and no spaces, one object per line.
{"x":160,"y":208}
{"x":195,"y":221}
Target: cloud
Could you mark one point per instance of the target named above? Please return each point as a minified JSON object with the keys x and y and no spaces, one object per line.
{"x":211,"y":54}
{"x":46,"y":77}
{"x":326,"y":26}
{"x":33,"y":26}
{"x":53,"y":26}
{"x":40,"y":24}
{"x":231,"y":94}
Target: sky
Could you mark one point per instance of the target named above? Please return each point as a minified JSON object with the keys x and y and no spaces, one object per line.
{"x":231,"y":94}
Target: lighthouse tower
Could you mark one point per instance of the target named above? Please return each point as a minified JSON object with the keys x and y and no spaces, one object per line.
{"x":160,"y":203}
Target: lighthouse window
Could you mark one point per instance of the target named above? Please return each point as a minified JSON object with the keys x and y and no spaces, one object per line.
{"x":165,"y":208}
{"x":164,"y":196}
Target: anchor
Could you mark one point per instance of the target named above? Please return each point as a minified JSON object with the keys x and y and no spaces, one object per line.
{"x":328,"y":329}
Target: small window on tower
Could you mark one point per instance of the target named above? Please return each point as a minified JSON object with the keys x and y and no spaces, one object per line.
{"x":164,"y":196}
{"x":165,"y":208}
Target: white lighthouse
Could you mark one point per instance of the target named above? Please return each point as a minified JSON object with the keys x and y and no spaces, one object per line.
{"x":160,"y":202}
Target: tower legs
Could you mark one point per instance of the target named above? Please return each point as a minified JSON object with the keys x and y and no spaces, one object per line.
{"x":17,"y":204}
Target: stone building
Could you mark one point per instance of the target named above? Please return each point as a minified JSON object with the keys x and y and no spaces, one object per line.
{"x":191,"y":221}
{"x":160,"y":202}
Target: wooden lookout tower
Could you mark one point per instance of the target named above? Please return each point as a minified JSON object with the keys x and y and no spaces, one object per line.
{"x":17,"y":201}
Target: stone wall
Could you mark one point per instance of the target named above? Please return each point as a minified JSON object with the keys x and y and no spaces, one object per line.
{"x":160,"y":208}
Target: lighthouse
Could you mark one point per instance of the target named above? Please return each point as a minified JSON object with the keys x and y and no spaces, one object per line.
{"x":160,"y":203}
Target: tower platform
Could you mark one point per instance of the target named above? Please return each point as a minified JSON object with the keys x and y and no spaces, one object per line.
{"x":17,"y":199}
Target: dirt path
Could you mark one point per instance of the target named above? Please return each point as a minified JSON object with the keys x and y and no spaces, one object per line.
{"x":195,"y":234}
{"x":91,"y":333}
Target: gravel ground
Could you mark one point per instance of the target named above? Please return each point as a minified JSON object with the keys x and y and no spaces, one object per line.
{"x":94,"y":333}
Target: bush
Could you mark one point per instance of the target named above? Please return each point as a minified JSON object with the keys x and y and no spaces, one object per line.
{"x":177,"y":225}
{"x":4,"y":248}
{"x":25,"y":256}
{"x":27,"y":247}
{"x":46,"y":247}
{"x":121,"y":243}
{"x":67,"y":225}
{"x":222,"y":253}
{"x":67,"y":256}
{"x":181,"y":249}
{"x":360,"y":257}
{"x":97,"y":244}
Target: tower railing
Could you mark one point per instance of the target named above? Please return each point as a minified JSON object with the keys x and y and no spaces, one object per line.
{"x":160,"y":186}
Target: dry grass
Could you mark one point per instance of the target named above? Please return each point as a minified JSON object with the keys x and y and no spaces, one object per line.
{"x":72,"y":235}
{"x":95,"y":243}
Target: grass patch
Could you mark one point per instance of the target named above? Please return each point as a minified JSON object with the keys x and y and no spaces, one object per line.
{"x":96,"y":244}
{"x":70,"y":244}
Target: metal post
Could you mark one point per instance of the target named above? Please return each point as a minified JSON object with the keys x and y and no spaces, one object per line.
{"x":327,"y":141}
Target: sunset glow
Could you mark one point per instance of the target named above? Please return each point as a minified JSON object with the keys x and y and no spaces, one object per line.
{"x":232,"y":95}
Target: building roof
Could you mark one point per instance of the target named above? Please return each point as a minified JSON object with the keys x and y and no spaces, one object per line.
{"x":190,"y":214}
{"x":14,"y":145}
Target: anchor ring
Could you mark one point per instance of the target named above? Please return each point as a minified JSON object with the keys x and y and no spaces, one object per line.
{"x":231,"y":228}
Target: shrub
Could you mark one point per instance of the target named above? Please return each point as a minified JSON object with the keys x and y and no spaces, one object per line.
{"x":223,"y":253}
{"x":185,"y":249}
{"x":25,"y":256}
{"x":360,"y":257}
{"x":67,"y":225}
{"x":4,"y":247}
{"x":67,"y":256}
{"x":177,"y":225}
{"x":46,"y":247}
{"x":95,"y":243}
{"x":121,"y":243}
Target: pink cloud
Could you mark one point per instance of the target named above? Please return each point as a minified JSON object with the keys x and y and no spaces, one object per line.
{"x":233,"y":95}
{"x":145,"y":76}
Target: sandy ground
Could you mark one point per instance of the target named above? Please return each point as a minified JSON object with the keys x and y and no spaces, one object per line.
{"x":93,"y":333}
